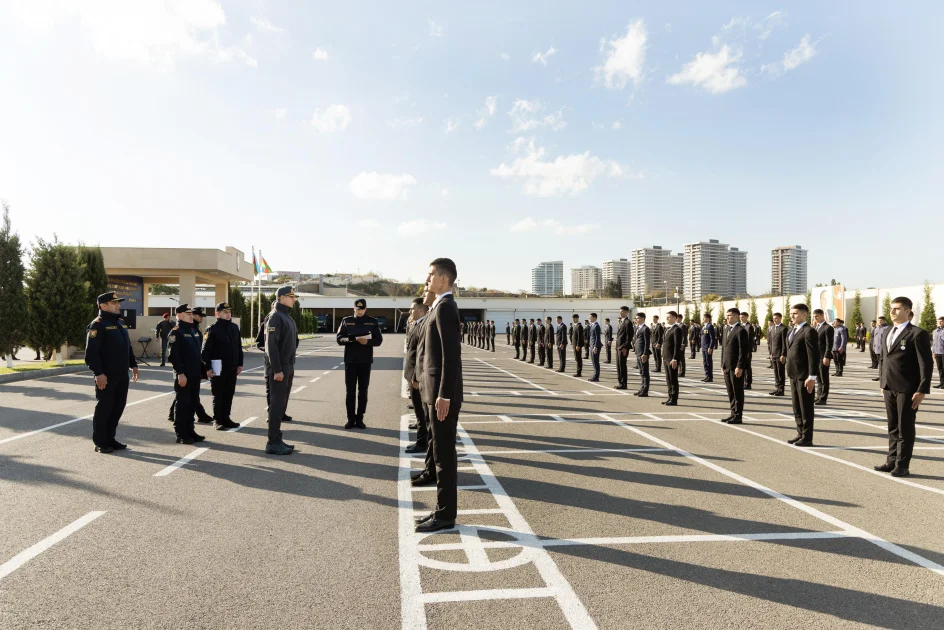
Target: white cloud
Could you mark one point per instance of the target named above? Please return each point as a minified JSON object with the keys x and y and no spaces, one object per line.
{"x":543,"y":57}
{"x":151,"y":33}
{"x":420,"y":226}
{"x":374,"y":185}
{"x":715,"y":72}
{"x":450,"y":125}
{"x":368,"y":223}
{"x":280,"y":113}
{"x":775,"y":20}
{"x":265,"y":25}
{"x":486,"y":112}
{"x":804,"y":51}
{"x":320,"y":54}
{"x":331,"y":119}
{"x":528,"y":224}
{"x":569,"y":174}
{"x":404,"y":122}
{"x":435,"y":30}
{"x":526,"y":115}
{"x":444,"y":193}
{"x":625,"y":57}
{"x":504,"y":56}
{"x":617,"y":125}
{"x":524,"y":225}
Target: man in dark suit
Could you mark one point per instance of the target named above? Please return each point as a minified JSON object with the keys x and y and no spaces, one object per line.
{"x":905,"y":367}
{"x":560,"y":342}
{"x":541,"y":336}
{"x":608,"y":339}
{"x":413,"y":332}
{"x":709,"y":341}
{"x":840,"y":345}
{"x":937,"y":349}
{"x":507,"y":334}
{"x":803,"y":363}
{"x":441,"y":391}
{"x":825,"y":334}
{"x":586,"y":330}
{"x":578,"y":341}
{"x":875,"y":341}
{"x":549,"y":346}
{"x":595,"y":343}
{"x":735,"y":359}
{"x":672,"y":351}
{"x":694,"y":338}
{"x":777,"y":351}
{"x":532,"y":338}
{"x":516,"y":338}
{"x":748,"y":367}
{"x":642,"y":347}
{"x":658,"y":336}
{"x":624,"y":343}
{"x":493,"y":335}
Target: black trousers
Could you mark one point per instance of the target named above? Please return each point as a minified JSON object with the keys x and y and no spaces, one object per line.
{"x":822,"y":383}
{"x":163,"y":350}
{"x":279,"y":392}
{"x":779,"y":373}
{"x":671,"y":381}
{"x":422,"y":427}
{"x":682,"y":363}
{"x":493,"y":344}
{"x":508,"y":339}
{"x":621,"y":371}
{"x":609,"y":350}
{"x":643,"y":375}
{"x":185,"y":405}
{"x":694,"y":349}
{"x":802,"y":408}
{"x":443,"y":445}
{"x":562,"y":355}
{"x":198,"y":406}
{"x":735,"y":386}
{"x":708,"y":361}
{"x":223,"y":387}
{"x":939,"y":360}
{"x":840,"y":359}
{"x":517,"y":350}
{"x":595,"y":362}
{"x":901,"y":427}
{"x":541,"y":354}
{"x":531,"y":347}
{"x":874,"y":357}
{"x":657,"y":357}
{"x":110,"y":404}
{"x":357,"y":381}
{"x":749,"y":371}
{"x":549,"y":352}
{"x":578,"y":357}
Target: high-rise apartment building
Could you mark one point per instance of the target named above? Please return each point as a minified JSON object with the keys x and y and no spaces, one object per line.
{"x":548,"y":278}
{"x":586,"y":281}
{"x":788,"y":270}
{"x":618,"y":268}
{"x":714,"y":268}
{"x":655,"y":270}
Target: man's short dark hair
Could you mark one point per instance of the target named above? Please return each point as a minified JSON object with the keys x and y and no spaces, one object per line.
{"x":624,"y":308}
{"x":881,"y":318}
{"x":445,"y":267}
{"x":734,"y":310}
{"x":593,"y":314}
{"x":818,"y":311}
{"x":560,"y":318}
{"x":655,"y":317}
{"x":643,"y":315}
{"x":840,"y":321}
{"x":576,"y":316}
{"x":903,"y":301}
{"x":606,"y":319}
{"x":707,"y":316}
{"x":872,"y":322}
{"x":802,"y":307}
{"x":673,"y":314}
{"x":417,"y":301}
{"x":780,"y":315}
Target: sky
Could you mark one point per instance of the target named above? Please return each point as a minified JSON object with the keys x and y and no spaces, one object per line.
{"x":359,"y":136}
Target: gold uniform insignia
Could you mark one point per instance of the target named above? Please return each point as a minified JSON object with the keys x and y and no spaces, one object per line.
{"x":93,"y":333}
{"x":271,"y":328}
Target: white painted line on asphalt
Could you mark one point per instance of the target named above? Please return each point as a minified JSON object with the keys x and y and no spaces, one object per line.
{"x":882,"y":447}
{"x":488,"y":594}
{"x":298,"y":389}
{"x":182,"y":461}
{"x":587,"y":392}
{"x":412,"y":609}
{"x":315,"y":380}
{"x":523,"y":380}
{"x":26,"y":555}
{"x":481,"y":511}
{"x":336,"y":366}
{"x":241,"y":424}
{"x":326,"y":372}
{"x":853,"y":530}
{"x":433,"y":488}
{"x":557,"y":419}
{"x":504,"y":418}
{"x":576,"y":450}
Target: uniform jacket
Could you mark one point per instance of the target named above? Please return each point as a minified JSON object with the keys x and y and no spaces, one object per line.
{"x":777,"y":340}
{"x":577,"y":335}
{"x":222,"y":341}
{"x":593,"y":336}
{"x":353,"y":327}
{"x":624,"y":334}
{"x":516,"y":335}
{"x":694,"y":334}
{"x":281,"y":339}
{"x":803,"y":357}
{"x":825,"y":333}
{"x":907,"y":366}
{"x":878,"y":337}
{"x":542,"y":334}
{"x":441,"y":368}
{"x":550,"y":335}
{"x":184,"y":345}
{"x":840,"y":339}
{"x":658,"y":334}
{"x":642,"y":341}
{"x":709,"y":338}
{"x":532,"y":334}
{"x":560,"y":335}
{"x":108,"y":347}
{"x":608,"y":333}
{"x":672,"y":348}
{"x":412,"y":341}
{"x":737,"y":348}
{"x":163,"y":328}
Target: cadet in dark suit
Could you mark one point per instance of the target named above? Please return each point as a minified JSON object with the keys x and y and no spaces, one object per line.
{"x":684,"y":328}
{"x":937,"y":349}
{"x":840,"y":345}
{"x":532,"y":338}
{"x":624,"y":343}
{"x":694,"y":338}
{"x":441,"y":391}
{"x":516,"y":338}
{"x":748,"y":368}
{"x":803,"y":362}
{"x":642,"y":347}
{"x":560,"y":341}
{"x":905,"y":367}
{"x":875,"y":344}
{"x":672,"y":351}
{"x":414,"y":332}
{"x":594,"y":343}
{"x":777,"y":351}
{"x":608,"y":339}
{"x":523,"y":333}
{"x":578,"y":341}
{"x":549,"y":345}
{"x":507,"y":334}
{"x":542,"y":335}
{"x":709,"y":341}
{"x":658,"y":336}
{"x":825,"y":335}
{"x":735,"y":359}
{"x":586,"y":347}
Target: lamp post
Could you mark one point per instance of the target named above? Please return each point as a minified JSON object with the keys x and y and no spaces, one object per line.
{"x":678,"y":300}
{"x":665,"y":290}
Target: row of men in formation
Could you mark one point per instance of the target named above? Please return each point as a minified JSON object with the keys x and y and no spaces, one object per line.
{"x":802,"y":353}
{"x":479,"y":334}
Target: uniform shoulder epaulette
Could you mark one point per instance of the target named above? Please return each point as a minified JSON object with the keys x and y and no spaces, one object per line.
{"x":175,"y":328}
{"x":96,"y":320}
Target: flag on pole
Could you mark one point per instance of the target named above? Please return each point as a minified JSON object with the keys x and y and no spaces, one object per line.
{"x":255,"y":263}
{"x":263,"y":264}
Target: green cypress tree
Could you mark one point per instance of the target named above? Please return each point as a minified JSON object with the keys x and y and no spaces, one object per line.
{"x":688,"y":316}
{"x":809,"y":300}
{"x":57,"y":293}
{"x":887,"y":308}
{"x":94,"y":272}
{"x":770,"y":313}
{"x":13,"y":306}
{"x":856,"y":318}
{"x":753,"y":312}
{"x":928,"y":317}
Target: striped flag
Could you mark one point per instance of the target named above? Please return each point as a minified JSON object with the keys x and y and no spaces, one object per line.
{"x":255,"y":263}
{"x":263,"y":264}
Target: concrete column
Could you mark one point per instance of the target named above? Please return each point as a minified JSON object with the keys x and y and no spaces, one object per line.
{"x":222,"y":293}
{"x":188,"y":289}
{"x":144,"y":299}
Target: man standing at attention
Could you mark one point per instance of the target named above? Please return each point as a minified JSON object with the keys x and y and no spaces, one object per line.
{"x":516,"y":339}
{"x":359,"y":334}
{"x":560,"y":342}
{"x":549,"y":345}
{"x":441,"y":392}
{"x":777,"y":350}
{"x":578,"y":341}
{"x":642,"y":347}
{"x":937,"y":348}
{"x":734,"y":361}
{"x":672,"y":351}
{"x":840,"y":345}
{"x":281,"y":343}
{"x":608,"y":339}
{"x":803,"y":363}
{"x":594,"y":343}
{"x":624,"y":343}
{"x":658,"y":336}
{"x":825,"y":335}
{"x":163,"y":331}
{"x":709,"y":341}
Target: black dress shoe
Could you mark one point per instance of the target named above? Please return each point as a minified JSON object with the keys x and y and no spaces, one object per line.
{"x":705,"y":380}
{"x":747,"y":387}
{"x":577,"y":375}
{"x":710,"y":380}
{"x":118,"y":446}
{"x":620,"y":387}
{"x":885,"y":468}
{"x":776,"y":392}
{"x":423,"y":480}
{"x":416,"y":447}
{"x":226,"y":425}
{"x":819,"y":403}
{"x":735,"y":421}
{"x":670,"y":403}
{"x":360,"y":425}
{"x":593,"y":380}
{"x":900,"y":472}
{"x":416,"y":475}
{"x":642,"y":394}
{"x":412,"y":427}
{"x":197,"y":438}
{"x":287,"y":418}
{"x":794,"y":440}
{"x":205,"y":420}
{"x":104,"y":449}
{"x":875,"y":379}
{"x":726,"y":419}
{"x":803,"y":443}
{"x":184,"y":440}
{"x":422,"y":519}
{"x":170,"y":418}
{"x":434,"y":525}
{"x":349,"y":424}
{"x":559,"y":371}
{"x":410,"y":406}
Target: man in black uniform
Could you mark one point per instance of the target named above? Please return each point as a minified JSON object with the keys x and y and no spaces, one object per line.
{"x":642,"y":347}
{"x":223,"y":343}
{"x":516,"y":338}
{"x":549,"y":344}
{"x":748,"y":370}
{"x":608,"y":339}
{"x":624,"y":343}
{"x":586,"y":331}
{"x":202,"y":416}
{"x":184,"y":343}
{"x":824,"y":334}
{"x":542,"y":335}
{"x":413,"y":335}
{"x":109,"y":356}
{"x":672,"y":352}
{"x":281,"y":343}
{"x":163,"y":331}
{"x":507,"y":334}
{"x":560,"y":342}
{"x":493,"y":335}
{"x":578,"y":341}
{"x":694,"y":337}
{"x":777,"y":349}
{"x":532,"y":338}
{"x":684,"y":327}
{"x":359,"y":334}
{"x":658,"y":337}
{"x":735,"y":362}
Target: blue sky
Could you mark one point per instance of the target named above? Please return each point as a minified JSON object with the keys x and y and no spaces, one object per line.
{"x":375,"y":136}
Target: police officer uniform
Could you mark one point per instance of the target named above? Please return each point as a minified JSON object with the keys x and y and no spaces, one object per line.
{"x":202,"y":416}
{"x":709,"y":341}
{"x":357,"y":361}
{"x":163,"y":332}
{"x":223,"y":342}
{"x":108,"y":354}
{"x":185,"y":346}
{"x":281,"y":343}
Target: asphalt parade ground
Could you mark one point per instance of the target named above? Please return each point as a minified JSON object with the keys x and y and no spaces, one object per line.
{"x":580,"y":506}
